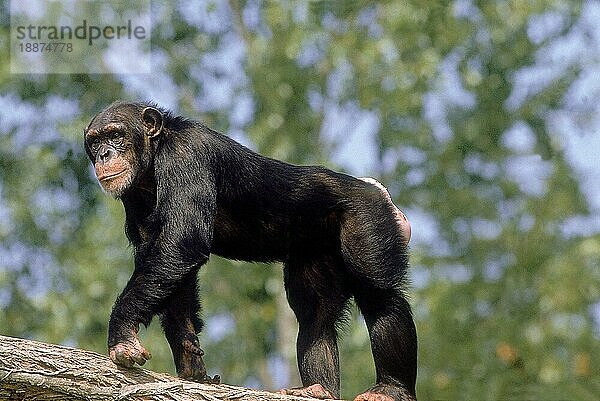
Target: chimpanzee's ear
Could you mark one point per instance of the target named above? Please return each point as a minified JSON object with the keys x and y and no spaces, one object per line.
{"x":153,"y":120}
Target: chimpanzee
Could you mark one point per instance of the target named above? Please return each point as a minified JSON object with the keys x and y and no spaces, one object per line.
{"x":189,"y":191}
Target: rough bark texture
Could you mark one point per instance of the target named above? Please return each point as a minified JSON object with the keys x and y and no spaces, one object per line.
{"x":31,"y":370}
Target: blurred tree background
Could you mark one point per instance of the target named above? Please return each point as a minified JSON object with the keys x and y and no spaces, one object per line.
{"x":479,"y":116}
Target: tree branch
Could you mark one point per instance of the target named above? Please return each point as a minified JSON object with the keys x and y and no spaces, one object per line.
{"x":40,"y":371}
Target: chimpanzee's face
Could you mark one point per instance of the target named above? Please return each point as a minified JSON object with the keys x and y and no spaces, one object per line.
{"x":115,"y":143}
{"x":118,"y":143}
{"x":110,"y":149}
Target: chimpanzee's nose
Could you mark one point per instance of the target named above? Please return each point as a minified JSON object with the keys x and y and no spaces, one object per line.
{"x":105,"y":153}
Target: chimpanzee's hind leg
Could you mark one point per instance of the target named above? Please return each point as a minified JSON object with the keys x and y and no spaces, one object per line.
{"x":318,"y":296}
{"x":374,"y":250}
{"x":393,"y":343}
{"x":181,"y":324}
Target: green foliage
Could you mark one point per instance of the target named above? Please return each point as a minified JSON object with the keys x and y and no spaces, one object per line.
{"x":503,"y":297}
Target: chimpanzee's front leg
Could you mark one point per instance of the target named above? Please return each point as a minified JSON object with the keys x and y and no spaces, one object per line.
{"x":157,"y":277}
{"x":124,"y":345}
{"x":181,"y":324}
{"x":176,"y":242}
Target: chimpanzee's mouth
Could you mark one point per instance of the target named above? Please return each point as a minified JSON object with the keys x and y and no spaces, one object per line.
{"x":105,"y":177}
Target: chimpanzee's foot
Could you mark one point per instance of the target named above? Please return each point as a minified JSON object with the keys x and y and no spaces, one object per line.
{"x":128,"y":353}
{"x":385,"y":392}
{"x":314,"y":391}
{"x":368,"y":396}
{"x":191,"y":366}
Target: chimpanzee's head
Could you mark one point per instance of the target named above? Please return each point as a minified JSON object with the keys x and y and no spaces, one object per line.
{"x":119,"y":142}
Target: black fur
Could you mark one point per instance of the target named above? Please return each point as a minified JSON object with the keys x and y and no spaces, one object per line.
{"x":197,"y":192}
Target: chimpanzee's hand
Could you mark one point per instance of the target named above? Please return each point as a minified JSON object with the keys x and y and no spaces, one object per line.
{"x":129,"y":352}
{"x":189,"y":363}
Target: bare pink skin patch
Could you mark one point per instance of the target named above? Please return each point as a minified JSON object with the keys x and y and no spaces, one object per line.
{"x":400,"y":217}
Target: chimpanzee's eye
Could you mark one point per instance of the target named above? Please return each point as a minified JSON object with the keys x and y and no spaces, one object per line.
{"x":117,"y":138}
{"x":95,"y":145}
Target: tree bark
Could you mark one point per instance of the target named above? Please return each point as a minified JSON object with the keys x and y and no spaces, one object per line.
{"x":31,"y":370}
